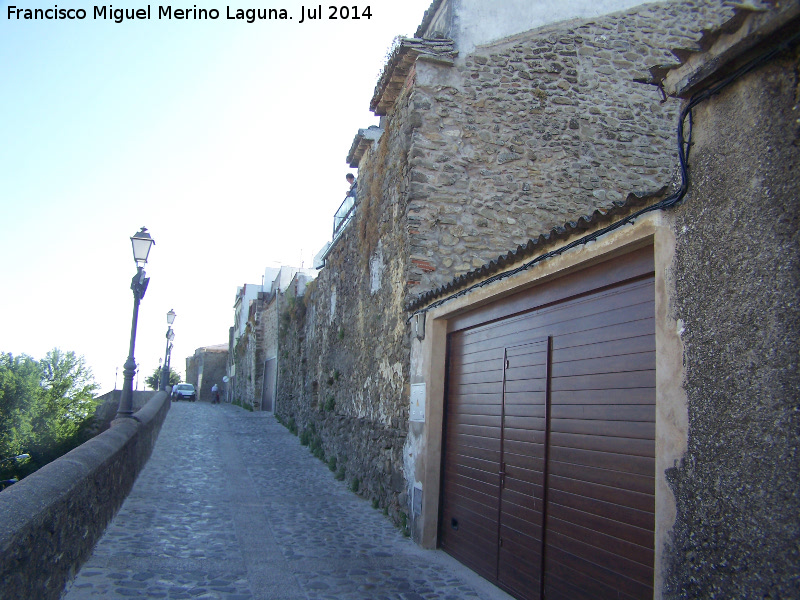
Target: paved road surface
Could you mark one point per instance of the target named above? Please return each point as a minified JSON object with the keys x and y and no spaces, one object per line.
{"x":232,"y":507}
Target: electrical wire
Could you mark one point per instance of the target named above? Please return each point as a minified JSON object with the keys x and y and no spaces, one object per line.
{"x":684,"y":147}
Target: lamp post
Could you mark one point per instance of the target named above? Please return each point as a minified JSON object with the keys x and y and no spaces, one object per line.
{"x":170,"y":336}
{"x":141,"y":242}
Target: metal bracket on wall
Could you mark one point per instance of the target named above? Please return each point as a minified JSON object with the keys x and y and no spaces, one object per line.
{"x":418,"y":325}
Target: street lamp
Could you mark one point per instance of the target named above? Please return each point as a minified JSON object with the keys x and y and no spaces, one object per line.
{"x":170,"y":337}
{"x":142,"y":242}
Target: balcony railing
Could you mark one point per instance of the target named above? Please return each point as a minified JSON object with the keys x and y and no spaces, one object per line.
{"x":343,"y":215}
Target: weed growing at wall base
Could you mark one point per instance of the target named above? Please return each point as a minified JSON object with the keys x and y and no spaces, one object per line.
{"x":241,"y":404}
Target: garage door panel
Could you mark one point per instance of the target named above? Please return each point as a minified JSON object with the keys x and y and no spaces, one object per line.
{"x":644,"y":484}
{"x":529,"y":436}
{"x":622,"y":460}
{"x":471,"y":514}
{"x":521,"y":472}
{"x":468,"y":466}
{"x":472,"y":452}
{"x":460,"y":389}
{"x":522,"y":404}
{"x":520,"y":576}
{"x":483,"y":376}
{"x":479,"y":555}
{"x":520,"y":448}
{"x":643,"y":519}
{"x":606,"y":567}
{"x":623,"y":531}
{"x":523,"y":331}
{"x":524,"y":360}
{"x":481,"y":485}
{"x":576,"y":346}
{"x":532,"y":415}
{"x":473,"y":420}
{"x":595,"y":311}
{"x":599,"y":334}
{"x":527,"y":385}
{"x":605,"y":412}
{"x":522,"y":584}
{"x":640,"y":430}
{"x":473,"y":517}
{"x":573,"y":423}
{"x":523,"y":552}
{"x":643,"y":396}
{"x":521,"y":522}
{"x":565,"y":586}
{"x":462,"y":442}
{"x":473,"y":431}
{"x":535,"y":372}
{"x":533,"y":462}
{"x":602,"y":540}
{"x":620,"y":497}
{"x":526,"y":495}
{"x":468,"y":362}
{"x":635,"y":379}
{"x":523,"y":500}
{"x":576,"y":578}
{"x":567,"y":366}
{"x":474,"y":404}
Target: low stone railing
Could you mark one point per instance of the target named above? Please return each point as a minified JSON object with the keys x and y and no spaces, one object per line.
{"x":51,"y":520}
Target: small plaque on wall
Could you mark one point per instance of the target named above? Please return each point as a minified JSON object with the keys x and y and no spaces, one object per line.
{"x":417,"y":412}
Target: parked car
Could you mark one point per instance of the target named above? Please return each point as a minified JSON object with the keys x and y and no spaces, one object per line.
{"x":184,"y":391}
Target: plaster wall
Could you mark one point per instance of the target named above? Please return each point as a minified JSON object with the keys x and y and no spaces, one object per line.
{"x":736,"y":274}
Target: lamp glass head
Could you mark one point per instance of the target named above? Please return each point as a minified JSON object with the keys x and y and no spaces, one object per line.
{"x":141,"y":242}
{"x":170,"y":317}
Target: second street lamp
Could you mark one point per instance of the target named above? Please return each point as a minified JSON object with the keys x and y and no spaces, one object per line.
{"x":142,"y":242}
{"x":170,"y":336}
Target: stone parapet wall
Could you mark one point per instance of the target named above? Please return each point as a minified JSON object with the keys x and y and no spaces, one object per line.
{"x":51,"y":520}
{"x":107,"y":408}
{"x":523,"y":135}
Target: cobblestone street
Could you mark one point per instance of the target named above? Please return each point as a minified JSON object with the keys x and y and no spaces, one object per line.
{"x":232,"y":507}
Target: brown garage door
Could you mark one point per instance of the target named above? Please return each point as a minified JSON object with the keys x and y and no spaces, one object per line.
{"x":548,"y":465}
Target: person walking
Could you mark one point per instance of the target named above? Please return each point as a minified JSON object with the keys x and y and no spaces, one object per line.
{"x":214,"y":394}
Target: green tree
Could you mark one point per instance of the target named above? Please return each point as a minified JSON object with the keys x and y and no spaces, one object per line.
{"x":20,"y":383}
{"x":44,"y":406}
{"x":154,"y":380}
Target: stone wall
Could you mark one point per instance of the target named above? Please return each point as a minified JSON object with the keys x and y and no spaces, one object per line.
{"x":344,"y":349}
{"x":244,"y":357}
{"x":106,"y":410}
{"x":269,"y":327}
{"x":51,"y":520}
{"x":736,"y":276}
{"x":523,"y":135}
{"x":475,"y":159}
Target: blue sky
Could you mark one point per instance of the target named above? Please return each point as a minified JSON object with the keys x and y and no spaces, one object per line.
{"x":225,"y":139}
